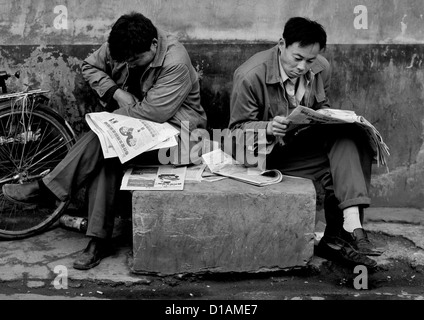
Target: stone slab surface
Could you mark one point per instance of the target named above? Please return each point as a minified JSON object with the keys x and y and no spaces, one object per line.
{"x":224,"y":226}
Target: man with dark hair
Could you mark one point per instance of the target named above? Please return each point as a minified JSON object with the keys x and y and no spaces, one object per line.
{"x":266,"y":88}
{"x":141,"y":72}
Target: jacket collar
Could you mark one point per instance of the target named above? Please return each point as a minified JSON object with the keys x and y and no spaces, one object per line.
{"x":162,"y":48}
{"x":273,"y":69}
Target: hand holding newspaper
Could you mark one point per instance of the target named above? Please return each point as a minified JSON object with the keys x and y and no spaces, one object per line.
{"x":305,"y":116}
{"x":127,"y":137}
{"x":223,"y":164}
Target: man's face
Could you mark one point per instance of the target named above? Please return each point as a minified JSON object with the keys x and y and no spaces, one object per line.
{"x":296,"y":60}
{"x":145,"y":58}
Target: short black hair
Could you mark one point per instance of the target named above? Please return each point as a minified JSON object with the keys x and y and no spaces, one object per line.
{"x":131,"y":34}
{"x":304,"y":31}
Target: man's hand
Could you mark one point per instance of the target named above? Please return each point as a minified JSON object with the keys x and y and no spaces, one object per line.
{"x":124,"y":99}
{"x":277,"y":127}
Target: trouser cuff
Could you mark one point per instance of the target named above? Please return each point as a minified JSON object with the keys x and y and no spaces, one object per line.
{"x":360,"y":201}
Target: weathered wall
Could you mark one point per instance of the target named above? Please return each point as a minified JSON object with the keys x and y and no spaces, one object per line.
{"x":88,"y":21}
{"x":378,"y":72}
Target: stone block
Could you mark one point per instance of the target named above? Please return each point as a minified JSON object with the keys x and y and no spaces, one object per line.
{"x":224,"y":226}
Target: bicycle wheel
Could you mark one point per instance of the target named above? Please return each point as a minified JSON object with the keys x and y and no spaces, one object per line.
{"x":33,"y":140}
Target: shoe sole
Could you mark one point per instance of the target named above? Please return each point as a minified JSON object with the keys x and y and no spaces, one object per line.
{"x":89,"y":266}
{"x":93,"y":264}
{"x":372,"y":254}
{"x":336,"y":254}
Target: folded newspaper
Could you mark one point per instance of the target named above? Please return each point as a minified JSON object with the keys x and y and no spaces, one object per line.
{"x":126,"y":137}
{"x":223,"y":164}
{"x":305,"y":116}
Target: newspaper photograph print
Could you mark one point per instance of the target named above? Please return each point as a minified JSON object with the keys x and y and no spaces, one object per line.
{"x":127,"y":137}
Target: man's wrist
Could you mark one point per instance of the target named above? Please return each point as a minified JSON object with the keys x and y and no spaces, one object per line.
{"x":116,"y":93}
{"x":269,"y":129}
{"x":110,"y":94}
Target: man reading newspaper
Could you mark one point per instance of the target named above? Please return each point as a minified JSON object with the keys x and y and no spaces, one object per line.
{"x":141,"y":72}
{"x":266,"y":89}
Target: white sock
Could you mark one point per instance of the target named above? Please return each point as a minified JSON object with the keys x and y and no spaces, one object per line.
{"x":351,"y":219}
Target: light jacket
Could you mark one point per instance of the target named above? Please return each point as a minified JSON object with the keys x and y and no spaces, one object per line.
{"x":170,"y":88}
{"x":258,"y":96}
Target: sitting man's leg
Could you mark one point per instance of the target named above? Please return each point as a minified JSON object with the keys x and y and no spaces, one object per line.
{"x":351,"y":173}
{"x":306,"y":156}
{"x":102,"y":194}
{"x":77,"y":166}
{"x":83,"y":163}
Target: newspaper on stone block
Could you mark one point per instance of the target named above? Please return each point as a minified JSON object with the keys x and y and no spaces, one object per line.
{"x":159,"y":177}
{"x":126,"y":137}
{"x":223,"y":164}
{"x":305,"y":116}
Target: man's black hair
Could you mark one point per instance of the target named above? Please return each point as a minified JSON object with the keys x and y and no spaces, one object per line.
{"x":304,"y":31}
{"x":131,"y":34}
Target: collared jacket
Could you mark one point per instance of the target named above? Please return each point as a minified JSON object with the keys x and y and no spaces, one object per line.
{"x":170,"y":87}
{"x":258,"y":96}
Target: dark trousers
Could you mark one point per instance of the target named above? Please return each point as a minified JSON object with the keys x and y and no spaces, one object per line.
{"x":85,"y":165}
{"x":336,"y":156}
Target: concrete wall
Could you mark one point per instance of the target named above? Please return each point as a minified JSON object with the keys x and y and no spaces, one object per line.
{"x":88,"y":21}
{"x":377,"y":71}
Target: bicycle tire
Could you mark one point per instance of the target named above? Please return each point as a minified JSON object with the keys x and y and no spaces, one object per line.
{"x":32,"y":140}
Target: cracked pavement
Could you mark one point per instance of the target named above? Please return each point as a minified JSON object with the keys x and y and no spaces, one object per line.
{"x":27,"y":270}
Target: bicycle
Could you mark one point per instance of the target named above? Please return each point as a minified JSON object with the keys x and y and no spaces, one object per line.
{"x":34,"y":138}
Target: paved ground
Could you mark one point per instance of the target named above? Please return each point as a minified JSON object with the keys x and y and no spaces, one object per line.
{"x":34,"y":269}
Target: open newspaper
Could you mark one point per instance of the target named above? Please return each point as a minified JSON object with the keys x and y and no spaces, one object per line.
{"x":306,"y":116}
{"x":159,"y":177}
{"x":223,"y":164}
{"x":126,"y":137}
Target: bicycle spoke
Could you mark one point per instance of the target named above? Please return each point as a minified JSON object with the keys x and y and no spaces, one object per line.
{"x":47,"y":155}
{"x":43,"y":136}
{"x":32,"y":140}
{"x":56,"y":143}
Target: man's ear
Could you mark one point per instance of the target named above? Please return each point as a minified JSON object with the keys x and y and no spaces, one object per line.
{"x":155,"y":42}
{"x":282,"y":43}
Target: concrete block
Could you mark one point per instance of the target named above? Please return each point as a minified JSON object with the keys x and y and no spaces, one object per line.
{"x":224,"y":226}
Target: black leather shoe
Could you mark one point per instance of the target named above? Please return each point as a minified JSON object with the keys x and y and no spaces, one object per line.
{"x":343,"y":254}
{"x":27,"y":193}
{"x":96,"y":250}
{"x":359,"y":242}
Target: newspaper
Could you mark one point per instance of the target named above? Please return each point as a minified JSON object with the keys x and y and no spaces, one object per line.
{"x":223,"y":164}
{"x":126,"y":137}
{"x":160,"y":177}
{"x":201,"y":173}
{"x":301,"y":116}
{"x":194,"y":173}
{"x":208,"y":176}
